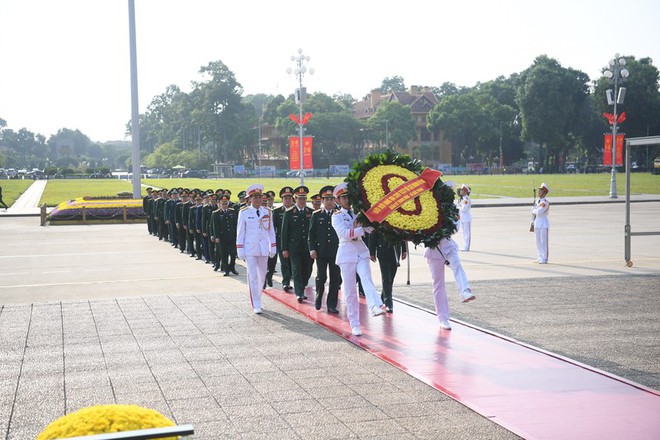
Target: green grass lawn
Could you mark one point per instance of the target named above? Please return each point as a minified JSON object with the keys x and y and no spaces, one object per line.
{"x":60,"y":190}
{"x":13,"y":188}
{"x":519,"y":185}
{"x":561,"y":185}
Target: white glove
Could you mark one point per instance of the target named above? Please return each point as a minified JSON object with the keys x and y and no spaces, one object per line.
{"x":368,"y":229}
{"x":241,"y":253}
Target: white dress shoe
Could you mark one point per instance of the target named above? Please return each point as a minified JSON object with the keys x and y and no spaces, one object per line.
{"x":257,"y":310}
{"x":376,"y":311}
{"x":355,"y":331}
{"x":445,"y":325}
{"x":467,"y":296}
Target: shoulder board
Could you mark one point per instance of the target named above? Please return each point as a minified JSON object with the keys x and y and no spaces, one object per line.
{"x":337,"y":211}
{"x":318,"y":210}
{"x":244,"y":208}
{"x":289,"y":209}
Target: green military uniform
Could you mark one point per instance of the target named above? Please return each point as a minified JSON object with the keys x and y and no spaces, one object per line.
{"x":223,"y":228}
{"x":278,"y":216}
{"x":295,"y":231}
{"x":323,"y":239}
{"x":388,"y":255}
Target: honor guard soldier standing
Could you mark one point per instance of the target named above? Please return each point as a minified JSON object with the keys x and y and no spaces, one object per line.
{"x":242,"y":200}
{"x":255,"y":242}
{"x":286,"y":194}
{"x":223,"y":234}
{"x":323,"y":245}
{"x":295,"y":230}
{"x":352,"y":258}
{"x":388,"y":256}
{"x":542,"y":224}
{"x":465,"y":217}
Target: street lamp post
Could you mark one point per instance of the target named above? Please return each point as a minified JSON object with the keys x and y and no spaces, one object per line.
{"x":299,"y":71}
{"x":615,"y":74}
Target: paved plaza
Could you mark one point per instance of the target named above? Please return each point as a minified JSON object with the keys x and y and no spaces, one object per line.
{"x":108,"y":314}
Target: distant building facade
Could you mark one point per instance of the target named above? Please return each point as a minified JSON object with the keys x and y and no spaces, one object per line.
{"x":431,"y":148}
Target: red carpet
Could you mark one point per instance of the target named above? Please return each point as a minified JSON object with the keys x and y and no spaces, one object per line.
{"x":533,"y":393}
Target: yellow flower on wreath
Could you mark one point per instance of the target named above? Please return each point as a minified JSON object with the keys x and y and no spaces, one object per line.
{"x":103,"y":419}
{"x":372,"y":184}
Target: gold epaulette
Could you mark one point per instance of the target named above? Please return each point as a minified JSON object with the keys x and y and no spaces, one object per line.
{"x":318,"y":210}
{"x":243,"y":208}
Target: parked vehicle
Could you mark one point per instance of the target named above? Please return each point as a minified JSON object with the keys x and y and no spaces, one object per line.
{"x":656,"y":165}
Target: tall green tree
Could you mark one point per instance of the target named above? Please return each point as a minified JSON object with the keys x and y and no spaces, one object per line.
{"x":393,"y":84}
{"x":392,"y":122}
{"x":551,"y":99}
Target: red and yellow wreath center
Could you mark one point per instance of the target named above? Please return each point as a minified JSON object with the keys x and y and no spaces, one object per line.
{"x":401,"y":198}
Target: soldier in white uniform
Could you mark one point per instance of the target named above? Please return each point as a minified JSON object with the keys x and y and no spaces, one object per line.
{"x":255,"y":242}
{"x":353,"y":257}
{"x":465,"y":219}
{"x":541,"y":224}
{"x":446,"y":254}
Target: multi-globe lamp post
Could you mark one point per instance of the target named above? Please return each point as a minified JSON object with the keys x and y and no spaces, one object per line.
{"x":615,"y":74}
{"x":299,"y":71}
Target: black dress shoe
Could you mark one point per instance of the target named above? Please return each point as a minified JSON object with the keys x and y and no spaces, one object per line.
{"x":198,"y":258}
{"x":226,"y":274}
{"x":269,"y":281}
{"x":234,"y":271}
{"x":389,"y":310}
{"x":215,"y":268}
{"x":333,"y":311}
{"x":300,"y":299}
{"x":286,"y":288}
{"x":317,"y":302}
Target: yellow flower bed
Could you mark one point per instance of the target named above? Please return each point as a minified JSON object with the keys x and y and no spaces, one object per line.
{"x":102,"y":419}
{"x":79,"y":202}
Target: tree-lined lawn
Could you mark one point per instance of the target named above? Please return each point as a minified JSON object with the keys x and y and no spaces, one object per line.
{"x":519,"y":185}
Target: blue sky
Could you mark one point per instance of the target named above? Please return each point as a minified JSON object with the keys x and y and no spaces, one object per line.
{"x":65,"y":63}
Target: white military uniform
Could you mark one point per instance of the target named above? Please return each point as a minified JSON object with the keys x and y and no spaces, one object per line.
{"x":541,"y":226}
{"x":465,"y":220}
{"x":446,"y":253}
{"x":353,"y":257}
{"x":255,"y":242}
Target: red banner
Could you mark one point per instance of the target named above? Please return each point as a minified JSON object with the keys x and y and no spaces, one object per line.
{"x":294,"y":153}
{"x":401,"y":194}
{"x":607,"y":150}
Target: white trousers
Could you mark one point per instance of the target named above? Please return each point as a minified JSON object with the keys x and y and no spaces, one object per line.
{"x":350,"y":291}
{"x":466,"y":229}
{"x":449,"y":251}
{"x":542,"y":244}
{"x":256,"y":275}
{"x":437,"y":268}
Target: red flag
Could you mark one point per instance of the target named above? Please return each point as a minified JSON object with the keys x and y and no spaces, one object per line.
{"x":621,"y":118}
{"x":294,"y":118}
{"x":306,"y":118}
{"x":609,"y":117}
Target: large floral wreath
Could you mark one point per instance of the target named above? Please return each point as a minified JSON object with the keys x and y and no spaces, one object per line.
{"x":426,"y":218}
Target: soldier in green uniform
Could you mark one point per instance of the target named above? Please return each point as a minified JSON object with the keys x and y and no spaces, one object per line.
{"x":242,"y":200}
{"x":223,"y":234}
{"x":145,"y":207}
{"x":179,"y":210}
{"x":295,"y":230}
{"x":286,"y":194}
{"x":210,"y":206}
{"x":388,"y":256}
{"x":323,"y":245}
{"x":159,"y":214}
{"x":269,"y":197}
{"x":316,"y":202}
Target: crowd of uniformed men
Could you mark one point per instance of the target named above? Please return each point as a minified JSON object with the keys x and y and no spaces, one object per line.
{"x":207,"y":225}
{"x":203,"y":224}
